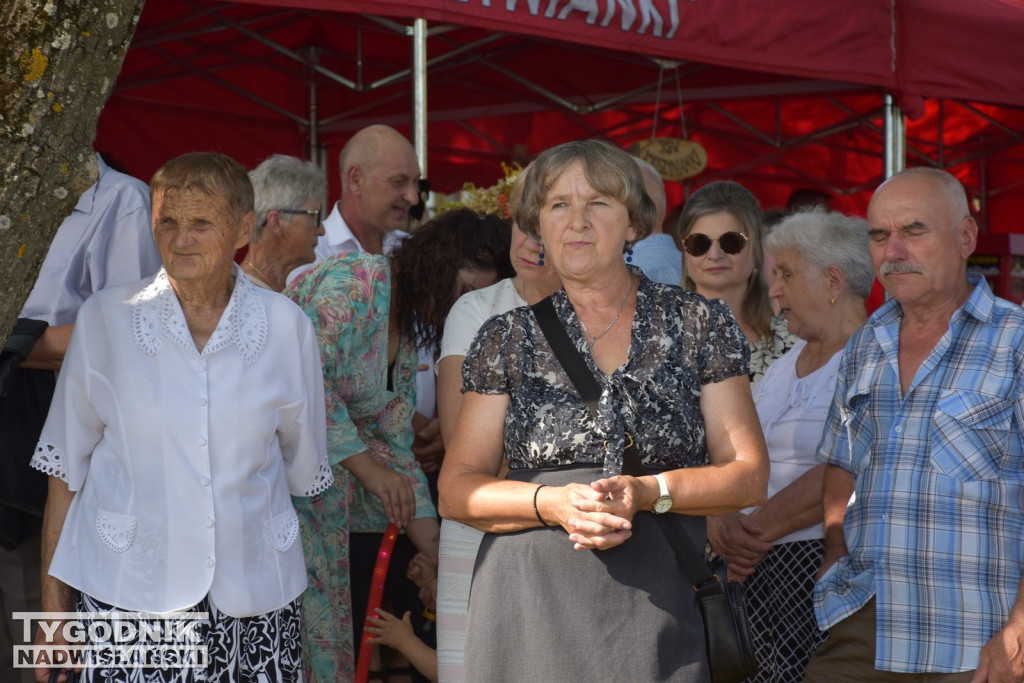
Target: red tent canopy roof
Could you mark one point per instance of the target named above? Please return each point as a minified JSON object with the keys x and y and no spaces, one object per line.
{"x":781,"y":93}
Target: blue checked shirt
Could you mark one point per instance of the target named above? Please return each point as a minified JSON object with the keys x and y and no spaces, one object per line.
{"x":936,"y":526}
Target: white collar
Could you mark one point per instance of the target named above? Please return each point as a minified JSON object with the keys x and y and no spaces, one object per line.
{"x":157,"y":314}
{"x":340,"y":238}
{"x":337,"y":231}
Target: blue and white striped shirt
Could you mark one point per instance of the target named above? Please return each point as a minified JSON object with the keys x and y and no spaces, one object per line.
{"x":936,"y":526}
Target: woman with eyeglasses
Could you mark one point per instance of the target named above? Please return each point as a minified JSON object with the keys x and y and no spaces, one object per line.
{"x":723,"y":258}
{"x":289,"y":199}
{"x":823,"y":273}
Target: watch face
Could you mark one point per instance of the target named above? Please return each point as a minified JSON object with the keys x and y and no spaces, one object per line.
{"x":663,"y":505}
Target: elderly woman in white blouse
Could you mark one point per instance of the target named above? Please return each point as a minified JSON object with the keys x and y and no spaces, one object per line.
{"x":189,"y":410}
{"x":823,"y":273}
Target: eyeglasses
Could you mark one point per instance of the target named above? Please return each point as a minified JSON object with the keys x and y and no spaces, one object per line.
{"x":308,"y":212}
{"x":697,"y":243}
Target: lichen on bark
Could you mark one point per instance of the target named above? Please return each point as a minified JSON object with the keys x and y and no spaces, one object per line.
{"x":58,"y":64}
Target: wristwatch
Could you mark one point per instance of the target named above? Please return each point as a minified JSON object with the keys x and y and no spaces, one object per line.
{"x":664,"y":502}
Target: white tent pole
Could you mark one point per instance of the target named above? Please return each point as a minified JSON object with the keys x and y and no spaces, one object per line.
{"x":419,"y":61}
{"x":895,"y":138}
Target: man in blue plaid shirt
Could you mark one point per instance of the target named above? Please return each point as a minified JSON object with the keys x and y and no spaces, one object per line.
{"x":923,"y":565}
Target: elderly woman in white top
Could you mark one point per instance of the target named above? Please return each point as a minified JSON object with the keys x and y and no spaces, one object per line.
{"x":189,"y":409}
{"x":822,"y":274}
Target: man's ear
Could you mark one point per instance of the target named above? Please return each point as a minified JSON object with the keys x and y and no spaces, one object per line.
{"x":354,"y":178}
{"x":967,"y":235}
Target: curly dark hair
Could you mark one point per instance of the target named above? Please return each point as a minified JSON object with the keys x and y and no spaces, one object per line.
{"x":426,"y":265}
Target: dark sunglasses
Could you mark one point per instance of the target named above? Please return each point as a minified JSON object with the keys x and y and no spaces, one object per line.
{"x":697,"y":244}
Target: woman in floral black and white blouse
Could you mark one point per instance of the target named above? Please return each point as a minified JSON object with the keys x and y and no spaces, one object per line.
{"x":574,"y":579}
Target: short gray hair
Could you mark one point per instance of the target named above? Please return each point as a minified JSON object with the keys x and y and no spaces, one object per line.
{"x":828,"y":238}
{"x":284,"y":182}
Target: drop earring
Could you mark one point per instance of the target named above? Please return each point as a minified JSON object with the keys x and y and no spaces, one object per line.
{"x":540,"y":256}
{"x":629,"y":254}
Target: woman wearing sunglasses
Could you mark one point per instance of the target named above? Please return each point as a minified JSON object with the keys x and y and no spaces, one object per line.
{"x":723,"y":258}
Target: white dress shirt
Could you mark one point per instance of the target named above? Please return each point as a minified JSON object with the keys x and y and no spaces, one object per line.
{"x":338,"y":239}
{"x":183,"y":463}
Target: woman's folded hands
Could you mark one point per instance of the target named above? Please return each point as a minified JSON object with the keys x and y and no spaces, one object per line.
{"x":600,"y":516}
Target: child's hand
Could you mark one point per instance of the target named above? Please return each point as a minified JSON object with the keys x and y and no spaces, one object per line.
{"x":423,"y":572}
{"x":390,"y":630}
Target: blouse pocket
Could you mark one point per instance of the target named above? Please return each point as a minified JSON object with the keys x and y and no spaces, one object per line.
{"x":971,"y":435}
{"x":117,"y":531}
{"x":282,"y":530}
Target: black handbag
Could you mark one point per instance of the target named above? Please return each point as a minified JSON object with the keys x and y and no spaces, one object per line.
{"x":722,"y":602}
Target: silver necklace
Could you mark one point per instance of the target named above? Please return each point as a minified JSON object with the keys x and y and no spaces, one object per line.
{"x":622,"y":306}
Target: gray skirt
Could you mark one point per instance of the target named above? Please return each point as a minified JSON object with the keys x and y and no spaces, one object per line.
{"x":541,"y":611}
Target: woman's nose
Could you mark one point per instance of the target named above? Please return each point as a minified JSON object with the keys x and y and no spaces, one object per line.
{"x":578,"y":216}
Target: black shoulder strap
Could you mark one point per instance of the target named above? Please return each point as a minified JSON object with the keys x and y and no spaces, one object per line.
{"x":566,"y":353}
{"x":688,"y":557}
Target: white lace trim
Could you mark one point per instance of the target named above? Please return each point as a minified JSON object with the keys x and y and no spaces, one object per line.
{"x":322,"y":481}
{"x":282,"y":530}
{"x":117,"y":531}
{"x":156,"y":314}
{"x":50,"y":459}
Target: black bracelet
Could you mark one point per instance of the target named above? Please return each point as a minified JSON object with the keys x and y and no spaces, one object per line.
{"x":535,"y":510}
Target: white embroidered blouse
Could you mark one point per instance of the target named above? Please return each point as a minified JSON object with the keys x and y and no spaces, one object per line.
{"x":184,"y":463}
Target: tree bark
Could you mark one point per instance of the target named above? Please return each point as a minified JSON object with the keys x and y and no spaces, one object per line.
{"x":59,"y":60}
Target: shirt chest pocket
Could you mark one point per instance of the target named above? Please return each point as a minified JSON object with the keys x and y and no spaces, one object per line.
{"x":971,"y":435}
{"x":855,"y":417}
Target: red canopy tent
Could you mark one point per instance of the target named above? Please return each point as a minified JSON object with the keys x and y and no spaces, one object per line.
{"x":781,"y":93}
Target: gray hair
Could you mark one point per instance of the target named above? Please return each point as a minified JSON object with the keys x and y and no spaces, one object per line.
{"x":284,"y":182}
{"x":828,"y":238}
{"x":212,"y":173}
{"x":608,"y":169}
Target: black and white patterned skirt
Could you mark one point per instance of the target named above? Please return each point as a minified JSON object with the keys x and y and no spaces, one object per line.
{"x":781,"y":609}
{"x":263,"y":648}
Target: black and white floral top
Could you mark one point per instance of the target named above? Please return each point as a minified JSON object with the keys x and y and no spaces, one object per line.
{"x":680,"y":341}
{"x":770,"y":348}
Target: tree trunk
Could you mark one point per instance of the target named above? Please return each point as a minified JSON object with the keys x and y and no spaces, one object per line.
{"x":59,"y":60}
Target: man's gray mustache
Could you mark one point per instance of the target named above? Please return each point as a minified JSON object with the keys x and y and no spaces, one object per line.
{"x":890,"y":267}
